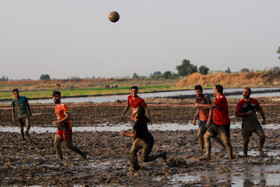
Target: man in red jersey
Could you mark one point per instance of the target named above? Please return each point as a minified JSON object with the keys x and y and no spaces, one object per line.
{"x":133,"y":102}
{"x":205,"y":116}
{"x":247,"y":108}
{"x":64,"y":130}
{"x":221,"y":122}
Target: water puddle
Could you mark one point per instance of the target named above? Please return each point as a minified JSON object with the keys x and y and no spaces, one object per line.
{"x":118,"y":127}
{"x":257,"y":175}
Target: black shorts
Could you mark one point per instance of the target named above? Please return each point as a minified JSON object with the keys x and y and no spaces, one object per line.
{"x":219,"y":129}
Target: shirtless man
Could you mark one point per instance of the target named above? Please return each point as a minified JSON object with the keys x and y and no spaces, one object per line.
{"x":133,"y":102}
{"x":64,"y":130}
{"x":247,"y":108}
{"x":221,"y":122}
{"x":205,"y":116}
{"x":21,"y":107}
{"x":142,"y":139}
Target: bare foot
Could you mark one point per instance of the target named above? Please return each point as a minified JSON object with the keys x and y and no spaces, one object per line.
{"x":205,"y":158}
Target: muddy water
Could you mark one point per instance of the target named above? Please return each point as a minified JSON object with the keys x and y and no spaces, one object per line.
{"x":95,"y":130}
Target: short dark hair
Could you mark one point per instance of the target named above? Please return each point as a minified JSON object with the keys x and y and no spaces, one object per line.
{"x":141,"y":111}
{"x":198,"y":87}
{"x":248,"y":88}
{"x":56,"y":93}
{"x":134,"y":87}
{"x":15,"y":90}
{"x":219,"y":88}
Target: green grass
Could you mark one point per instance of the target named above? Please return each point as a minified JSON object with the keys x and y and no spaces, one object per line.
{"x":88,"y":91}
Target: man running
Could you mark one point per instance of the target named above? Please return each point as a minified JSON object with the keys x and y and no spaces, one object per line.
{"x":205,"y":116}
{"x":21,"y":107}
{"x":247,"y":108}
{"x":142,"y":139}
{"x":133,"y":102}
{"x":64,"y":130}
{"x":221,"y":122}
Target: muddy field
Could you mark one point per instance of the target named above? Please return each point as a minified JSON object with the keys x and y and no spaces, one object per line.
{"x":34,"y":162}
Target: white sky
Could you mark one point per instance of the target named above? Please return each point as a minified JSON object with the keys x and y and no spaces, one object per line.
{"x":65,"y":38}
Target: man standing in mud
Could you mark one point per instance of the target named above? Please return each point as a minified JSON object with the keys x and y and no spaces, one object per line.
{"x":247,"y":108}
{"x":142,"y":139}
{"x":133,"y":102}
{"x":221,"y":122}
{"x":205,"y":116}
{"x":21,"y":107}
{"x":64,"y":130}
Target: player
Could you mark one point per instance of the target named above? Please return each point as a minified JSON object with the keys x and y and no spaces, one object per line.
{"x":143,"y":139}
{"x":247,"y":108}
{"x":64,"y":130}
{"x":221,"y":122}
{"x":205,"y":116}
{"x":21,"y":107}
{"x":133,"y":102}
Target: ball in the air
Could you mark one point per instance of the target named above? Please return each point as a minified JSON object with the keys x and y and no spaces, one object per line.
{"x":114,"y":16}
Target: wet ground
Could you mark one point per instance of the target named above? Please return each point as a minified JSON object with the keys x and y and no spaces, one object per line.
{"x":34,"y":162}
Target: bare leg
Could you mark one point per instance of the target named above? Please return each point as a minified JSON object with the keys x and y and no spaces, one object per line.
{"x":220,"y":142}
{"x":147,"y":149}
{"x":200,"y":139}
{"x":228,"y":145}
{"x":27,"y":122}
{"x":260,"y":133}
{"x":246,"y":140}
{"x":75,"y":149}
{"x":21,"y":131}
{"x":57,"y":140}
{"x":207,"y":142}
{"x":133,"y":153}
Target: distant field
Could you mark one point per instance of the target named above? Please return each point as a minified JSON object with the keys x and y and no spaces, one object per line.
{"x":43,"y":89}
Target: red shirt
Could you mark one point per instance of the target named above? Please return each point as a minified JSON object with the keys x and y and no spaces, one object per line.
{"x":59,"y":112}
{"x":135,"y":103}
{"x":243,"y":106}
{"x":221,"y":116}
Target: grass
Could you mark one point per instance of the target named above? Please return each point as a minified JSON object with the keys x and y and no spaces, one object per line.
{"x":87,"y":91}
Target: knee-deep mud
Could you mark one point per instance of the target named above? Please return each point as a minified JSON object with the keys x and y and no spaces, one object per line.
{"x":34,"y":162}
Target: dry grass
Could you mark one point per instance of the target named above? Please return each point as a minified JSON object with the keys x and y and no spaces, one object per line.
{"x":253,"y":79}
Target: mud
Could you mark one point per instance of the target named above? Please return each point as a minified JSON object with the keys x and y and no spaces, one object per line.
{"x":34,"y":162}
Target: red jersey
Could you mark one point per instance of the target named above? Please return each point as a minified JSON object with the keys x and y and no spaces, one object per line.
{"x":59,"y":112}
{"x":221,"y":116}
{"x":244,"y":106}
{"x":135,"y":103}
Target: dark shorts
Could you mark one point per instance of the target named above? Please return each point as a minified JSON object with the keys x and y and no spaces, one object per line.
{"x":203,"y":127}
{"x":24,"y":121}
{"x":66,"y":135}
{"x":219,"y":130}
{"x":258,"y":130}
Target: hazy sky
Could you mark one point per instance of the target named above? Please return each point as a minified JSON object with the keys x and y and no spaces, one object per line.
{"x":65,"y":38}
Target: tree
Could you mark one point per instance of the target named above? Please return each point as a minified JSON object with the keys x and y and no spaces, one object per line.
{"x":278,"y":51}
{"x":156,"y":75}
{"x":243,"y":70}
{"x":4,"y":78}
{"x":228,"y":70}
{"x":45,"y":77}
{"x":186,"y":68}
{"x":135,"y":76}
{"x":203,"y":70}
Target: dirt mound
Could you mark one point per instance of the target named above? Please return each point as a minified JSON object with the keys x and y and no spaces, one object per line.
{"x":254,"y":79}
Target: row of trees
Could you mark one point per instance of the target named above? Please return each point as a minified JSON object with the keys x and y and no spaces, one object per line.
{"x":4,"y":78}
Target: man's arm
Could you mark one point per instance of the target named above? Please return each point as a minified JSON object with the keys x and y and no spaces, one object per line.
{"x":207,"y":106}
{"x":125,"y":110}
{"x":209,"y":117}
{"x":67,"y":116}
{"x":148,"y":114}
{"x":195,"y":116}
{"x":123,"y":133}
{"x":28,"y":107}
{"x":263,"y":117}
{"x":13,"y":114}
{"x":242,"y":114}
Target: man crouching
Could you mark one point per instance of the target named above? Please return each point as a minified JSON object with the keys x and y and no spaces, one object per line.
{"x":143,"y":139}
